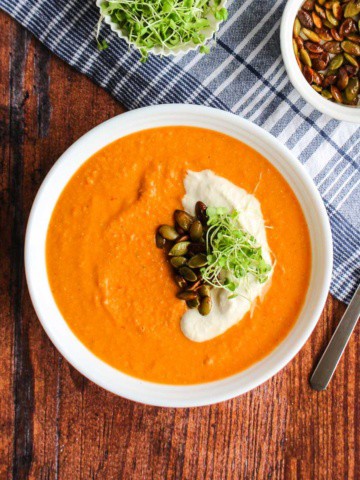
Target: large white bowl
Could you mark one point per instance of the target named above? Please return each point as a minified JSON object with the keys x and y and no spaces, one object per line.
{"x":82,"y":358}
{"x":335,"y":110}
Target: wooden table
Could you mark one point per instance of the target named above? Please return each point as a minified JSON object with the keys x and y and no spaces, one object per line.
{"x":56,"y":424}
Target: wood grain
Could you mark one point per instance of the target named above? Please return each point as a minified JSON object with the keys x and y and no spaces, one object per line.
{"x":54,"y":423}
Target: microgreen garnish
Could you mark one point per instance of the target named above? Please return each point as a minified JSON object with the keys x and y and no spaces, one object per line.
{"x":102,"y":44}
{"x":163,"y":23}
{"x":232,"y":252}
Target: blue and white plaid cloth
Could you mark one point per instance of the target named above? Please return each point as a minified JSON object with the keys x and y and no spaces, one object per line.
{"x":244,"y":73}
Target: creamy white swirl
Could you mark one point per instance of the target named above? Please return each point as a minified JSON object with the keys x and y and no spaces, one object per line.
{"x":218,"y":192}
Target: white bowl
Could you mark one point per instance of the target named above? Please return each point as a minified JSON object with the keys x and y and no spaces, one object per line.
{"x":335,"y":110}
{"x":82,"y":358}
{"x":164,"y":51}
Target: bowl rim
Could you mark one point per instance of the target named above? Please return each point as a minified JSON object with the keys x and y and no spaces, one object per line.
{"x":335,"y":110}
{"x":83,"y":359}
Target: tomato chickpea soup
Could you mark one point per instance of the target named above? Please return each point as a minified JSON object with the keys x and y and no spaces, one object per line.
{"x":115,"y":289}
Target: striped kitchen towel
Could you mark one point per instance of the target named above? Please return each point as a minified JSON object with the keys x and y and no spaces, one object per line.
{"x":244,"y":74}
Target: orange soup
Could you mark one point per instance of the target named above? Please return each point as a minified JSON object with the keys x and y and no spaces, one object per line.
{"x":115,"y":289}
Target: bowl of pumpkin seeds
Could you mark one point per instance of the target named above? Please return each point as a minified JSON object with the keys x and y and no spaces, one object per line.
{"x":320,"y":44}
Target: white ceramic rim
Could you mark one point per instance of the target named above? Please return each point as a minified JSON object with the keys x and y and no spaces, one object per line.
{"x":335,"y":110}
{"x":163,"y":51}
{"x":105,"y":375}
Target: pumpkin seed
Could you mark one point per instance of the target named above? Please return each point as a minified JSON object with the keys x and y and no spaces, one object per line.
{"x":318,"y":64}
{"x":196,"y":231}
{"x":308,"y":74}
{"x":313,"y":47}
{"x":336,"y":62}
{"x":330,"y":72}
{"x":343,"y":79}
{"x":305,"y":19}
{"x":331,"y":19}
{"x":317,"y":88}
{"x":299,"y":63}
{"x":324,"y":34}
{"x":297,"y":27}
{"x":179,"y":249}
{"x":320,"y":11}
{"x":337,"y":10}
{"x":332,"y":47}
{"x":317,"y":78}
{"x":299,"y":42}
{"x":336,"y":36}
{"x":305,"y":58}
{"x":194,"y":303}
{"x":350,"y":47}
{"x":186,"y":295}
{"x":197,"y":261}
{"x":326,"y":94}
{"x":200,"y":211}
{"x":330,"y":80}
{"x":352,"y":89}
{"x":308,"y":5}
{"x":188,"y":274}
{"x":352,"y":9}
{"x":314,"y":37}
{"x":321,"y":62}
{"x":183,"y":219}
{"x":354,"y":38}
{"x":317,"y":20}
{"x":168,"y":232}
{"x":181,"y":282}
{"x":178,"y":261}
{"x":347,"y":27}
{"x":335,"y":92}
{"x":204,"y":291}
{"x":159,"y":240}
{"x":327,"y":24}
{"x":205,"y":306}
{"x":295,"y":47}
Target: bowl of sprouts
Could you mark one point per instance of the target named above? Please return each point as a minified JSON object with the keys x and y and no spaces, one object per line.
{"x":162,"y":27}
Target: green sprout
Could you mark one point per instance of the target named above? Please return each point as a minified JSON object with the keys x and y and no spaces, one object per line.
{"x":232,"y":252}
{"x":162,"y":23}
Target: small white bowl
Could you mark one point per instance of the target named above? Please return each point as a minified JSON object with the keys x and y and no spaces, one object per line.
{"x":209,"y":32}
{"x":79,"y":355}
{"x":335,"y":110}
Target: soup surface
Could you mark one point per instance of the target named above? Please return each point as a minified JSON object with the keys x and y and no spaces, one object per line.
{"x":114,"y":287}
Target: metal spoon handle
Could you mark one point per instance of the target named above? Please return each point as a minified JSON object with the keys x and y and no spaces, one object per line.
{"x":328,"y":362}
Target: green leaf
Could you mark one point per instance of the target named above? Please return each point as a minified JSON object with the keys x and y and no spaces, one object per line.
{"x":167,"y":6}
{"x":205,"y":49}
{"x":102,"y":45}
{"x":232,"y":252}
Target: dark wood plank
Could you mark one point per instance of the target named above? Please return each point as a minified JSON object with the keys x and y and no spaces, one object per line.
{"x":55,"y":424}
{"x":6,"y":318}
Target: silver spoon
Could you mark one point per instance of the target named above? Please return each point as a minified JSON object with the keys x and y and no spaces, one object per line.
{"x":326,"y":367}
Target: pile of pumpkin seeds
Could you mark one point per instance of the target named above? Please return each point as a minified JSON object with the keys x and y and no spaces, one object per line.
{"x":186,"y":250}
{"x":326,"y":42}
